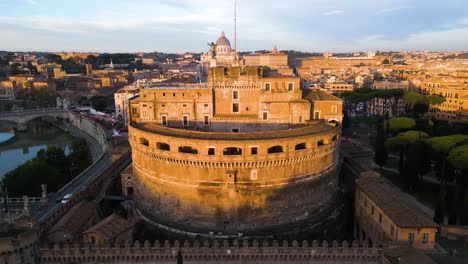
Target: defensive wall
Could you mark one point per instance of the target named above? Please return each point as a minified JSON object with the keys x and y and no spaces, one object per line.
{"x":20,"y":248}
{"x":215,"y":252}
{"x":233,"y":182}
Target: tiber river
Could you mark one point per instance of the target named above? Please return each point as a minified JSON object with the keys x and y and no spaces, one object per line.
{"x":16,"y":149}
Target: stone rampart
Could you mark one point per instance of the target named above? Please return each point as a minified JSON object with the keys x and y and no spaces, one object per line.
{"x":89,"y":126}
{"x":216,"y":252}
{"x":234,"y":182}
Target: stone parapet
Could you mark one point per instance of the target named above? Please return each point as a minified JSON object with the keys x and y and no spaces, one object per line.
{"x":216,"y":252}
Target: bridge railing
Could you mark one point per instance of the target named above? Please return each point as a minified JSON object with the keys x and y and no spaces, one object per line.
{"x":21,"y":200}
{"x":33,"y":111}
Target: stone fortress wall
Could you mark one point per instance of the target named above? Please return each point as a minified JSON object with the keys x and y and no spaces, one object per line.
{"x":238,"y":154}
{"x":234,"y":182}
{"x":216,"y":252}
{"x":92,"y":128}
{"x":19,"y":248}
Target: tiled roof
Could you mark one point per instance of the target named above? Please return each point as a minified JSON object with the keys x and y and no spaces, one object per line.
{"x":110,"y":227}
{"x":318,"y":95}
{"x":390,"y":199}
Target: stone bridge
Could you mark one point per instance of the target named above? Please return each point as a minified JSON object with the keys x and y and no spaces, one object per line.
{"x":20,"y":118}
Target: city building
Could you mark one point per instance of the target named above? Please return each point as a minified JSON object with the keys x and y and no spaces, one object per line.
{"x":111,"y":229}
{"x":455,"y":93}
{"x":238,"y":154}
{"x":7,"y":89}
{"x":338,"y":88}
{"x":81,"y":55}
{"x":89,"y":69}
{"x":318,"y":63}
{"x":273,"y":59}
{"x":389,"y":107}
{"x":51,"y":70}
{"x":382,"y":85}
{"x":325,"y":106}
{"x":382,"y":215}
{"x":121,"y":98}
{"x":220,"y":55}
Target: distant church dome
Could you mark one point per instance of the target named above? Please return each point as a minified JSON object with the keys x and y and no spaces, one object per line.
{"x":223,"y":41}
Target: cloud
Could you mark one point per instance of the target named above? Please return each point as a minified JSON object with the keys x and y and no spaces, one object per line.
{"x":431,"y":40}
{"x":175,"y":4}
{"x":333,"y":12}
{"x":388,"y":10}
{"x":57,"y":24}
{"x":30,"y":2}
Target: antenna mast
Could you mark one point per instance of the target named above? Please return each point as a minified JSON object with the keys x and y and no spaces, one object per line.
{"x":235,"y":25}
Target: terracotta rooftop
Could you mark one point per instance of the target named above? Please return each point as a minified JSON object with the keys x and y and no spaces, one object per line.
{"x":75,"y":219}
{"x":390,"y":199}
{"x":110,"y":227}
{"x":318,"y":95}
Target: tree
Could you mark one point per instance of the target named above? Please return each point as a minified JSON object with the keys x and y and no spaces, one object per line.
{"x":400,"y":124}
{"x":99,"y":102}
{"x":180,"y":258}
{"x":54,"y":58}
{"x":458,"y":158}
{"x":346,"y":120}
{"x":401,"y":142}
{"x":441,"y":147}
{"x":417,"y":162}
{"x":386,"y":61}
{"x":435,"y":99}
{"x":412,"y":98}
{"x":420,"y":108}
{"x":91,"y":59}
{"x":380,"y":155}
{"x":50,"y":167}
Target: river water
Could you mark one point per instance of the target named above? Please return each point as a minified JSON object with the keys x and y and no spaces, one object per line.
{"x":26,"y":145}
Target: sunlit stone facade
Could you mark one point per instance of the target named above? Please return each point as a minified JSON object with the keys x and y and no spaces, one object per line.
{"x":238,"y":154}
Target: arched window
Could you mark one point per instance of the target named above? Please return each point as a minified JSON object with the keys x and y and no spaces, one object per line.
{"x":275,"y":149}
{"x":163,"y":146}
{"x":144,"y":142}
{"x":335,"y":137}
{"x":232,"y":151}
{"x":320,"y":143}
{"x":188,"y":150}
{"x":300,"y":146}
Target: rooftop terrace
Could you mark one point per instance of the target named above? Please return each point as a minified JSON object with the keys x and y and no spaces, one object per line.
{"x":312,"y":127}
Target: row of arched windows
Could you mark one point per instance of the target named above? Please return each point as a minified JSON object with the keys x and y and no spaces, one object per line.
{"x":231,"y":151}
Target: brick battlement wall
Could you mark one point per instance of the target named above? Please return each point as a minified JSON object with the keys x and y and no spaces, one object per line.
{"x":216,"y":252}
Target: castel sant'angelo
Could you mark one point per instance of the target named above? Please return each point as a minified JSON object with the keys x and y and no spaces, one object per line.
{"x":247,"y":151}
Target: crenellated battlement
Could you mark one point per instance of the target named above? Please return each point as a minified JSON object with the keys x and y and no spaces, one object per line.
{"x":240,"y":251}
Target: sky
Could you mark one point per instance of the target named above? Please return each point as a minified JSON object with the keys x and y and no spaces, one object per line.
{"x":188,"y":25}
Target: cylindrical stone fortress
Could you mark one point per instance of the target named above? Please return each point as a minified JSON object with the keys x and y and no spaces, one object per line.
{"x":234,"y":182}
